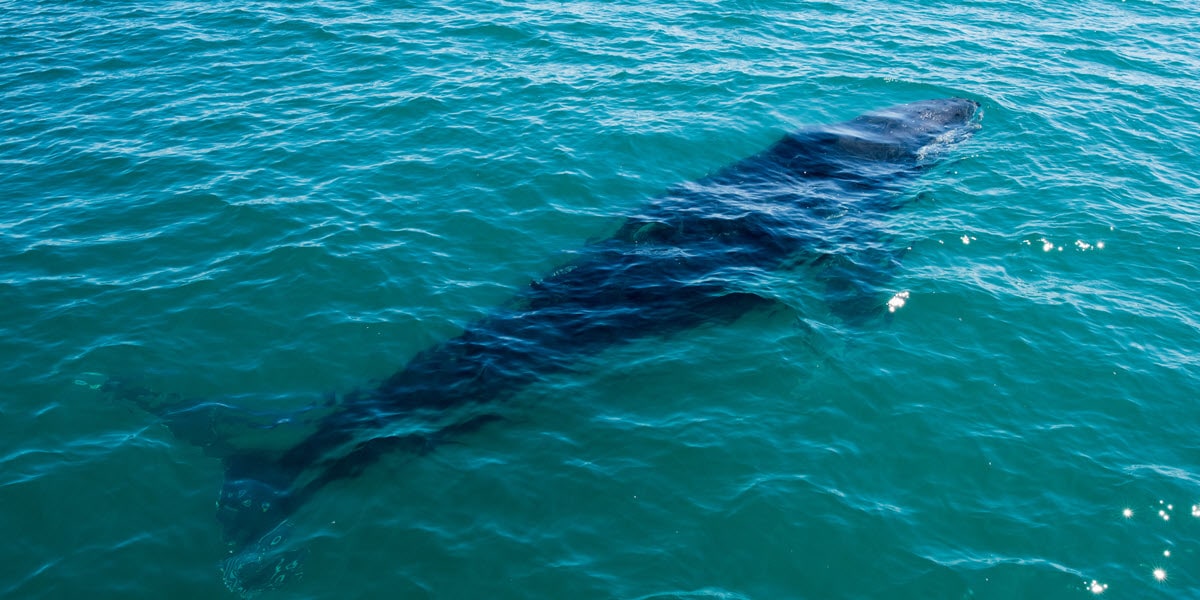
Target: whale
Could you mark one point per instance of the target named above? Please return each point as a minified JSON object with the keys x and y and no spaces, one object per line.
{"x":686,"y":258}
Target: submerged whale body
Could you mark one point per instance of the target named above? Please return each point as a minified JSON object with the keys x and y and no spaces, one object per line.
{"x":818,"y":194}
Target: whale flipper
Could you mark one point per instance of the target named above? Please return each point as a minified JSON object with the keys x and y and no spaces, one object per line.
{"x":854,"y":284}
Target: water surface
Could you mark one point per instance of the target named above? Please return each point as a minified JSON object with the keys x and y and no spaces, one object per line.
{"x":266,"y":202}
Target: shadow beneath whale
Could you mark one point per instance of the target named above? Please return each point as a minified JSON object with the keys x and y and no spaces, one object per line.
{"x":818,"y":196}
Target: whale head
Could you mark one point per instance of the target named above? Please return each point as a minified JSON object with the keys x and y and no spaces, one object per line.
{"x":913,"y":131}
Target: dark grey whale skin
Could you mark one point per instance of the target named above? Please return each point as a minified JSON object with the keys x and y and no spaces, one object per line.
{"x":817,"y":194}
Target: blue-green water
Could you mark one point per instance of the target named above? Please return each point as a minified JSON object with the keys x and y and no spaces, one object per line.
{"x":265,"y":203}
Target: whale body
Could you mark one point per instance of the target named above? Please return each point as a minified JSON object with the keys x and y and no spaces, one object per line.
{"x":679,"y":263}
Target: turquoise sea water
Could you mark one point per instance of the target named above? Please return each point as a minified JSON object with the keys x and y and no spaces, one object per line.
{"x":264,"y":203}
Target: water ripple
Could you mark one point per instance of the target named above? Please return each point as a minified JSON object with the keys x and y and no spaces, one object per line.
{"x":268,"y":201}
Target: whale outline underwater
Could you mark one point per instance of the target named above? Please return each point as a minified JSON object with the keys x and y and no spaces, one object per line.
{"x":817,"y":195}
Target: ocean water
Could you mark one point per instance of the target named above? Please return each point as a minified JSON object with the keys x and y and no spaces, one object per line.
{"x":263,"y":204}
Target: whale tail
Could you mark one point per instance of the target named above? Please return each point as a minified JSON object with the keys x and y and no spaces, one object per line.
{"x":263,"y":487}
{"x":267,"y":563}
{"x":257,"y":495}
{"x":253,"y":510}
